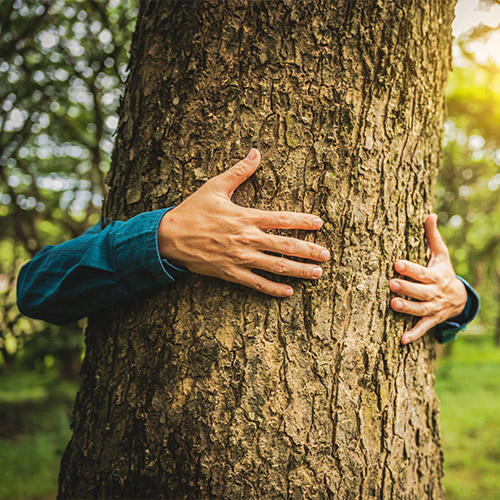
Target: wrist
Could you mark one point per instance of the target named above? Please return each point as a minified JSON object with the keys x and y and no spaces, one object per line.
{"x":166,"y":239}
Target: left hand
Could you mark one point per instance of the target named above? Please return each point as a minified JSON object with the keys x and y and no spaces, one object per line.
{"x":210,"y":235}
{"x":440,"y":294}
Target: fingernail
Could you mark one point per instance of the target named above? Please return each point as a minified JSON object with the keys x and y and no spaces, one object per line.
{"x":318,"y":223}
{"x":252,"y":154}
{"x":401,"y":266}
{"x":324,"y":254}
{"x":317,"y":272}
{"x":289,"y":291}
{"x":403,"y":340}
{"x":395,"y":285}
{"x":398,"y":304}
{"x":407,"y":339}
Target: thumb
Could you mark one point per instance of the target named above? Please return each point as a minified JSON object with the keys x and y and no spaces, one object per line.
{"x":436,"y":243}
{"x":240,"y":172}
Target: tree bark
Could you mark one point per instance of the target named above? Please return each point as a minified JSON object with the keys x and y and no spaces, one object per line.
{"x":206,"y":389}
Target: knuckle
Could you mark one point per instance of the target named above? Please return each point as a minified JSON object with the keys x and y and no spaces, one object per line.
{"x":437,"y":278}
{"x":239,"y":169}
{"x":313,"y":251}
{"x":240,"y":256}
{"x":260,"y":285}
{"x":289,"y":247}
{"x":246,"y":238}
{"x":281,"y":266}
{"x":248,"y":218}
{"x":284,"y":218}
{"x":442,"y":273}
{"x":231,"y":272}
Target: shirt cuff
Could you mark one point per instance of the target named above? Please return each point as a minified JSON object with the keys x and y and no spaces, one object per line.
{"x":447,"y":331}
{"x":137,"y":256}
{"x":170,"y":269}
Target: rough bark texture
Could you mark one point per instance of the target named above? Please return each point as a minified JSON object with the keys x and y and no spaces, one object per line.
{"x":209,"y":390}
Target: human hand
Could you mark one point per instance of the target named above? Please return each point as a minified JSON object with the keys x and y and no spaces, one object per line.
{"x":440,"y":293}
{"x":210,"y":235}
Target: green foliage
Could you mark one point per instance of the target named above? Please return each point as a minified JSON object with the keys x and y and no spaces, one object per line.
{"x":468,"y":203}
{"x":35,"y":408}
{"x":468,"y":384}
{"x":62,"y":65}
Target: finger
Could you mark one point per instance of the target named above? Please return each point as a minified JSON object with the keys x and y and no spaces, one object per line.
{"x":412,"y":307}
{"x":294,"y":247}
{"x":436,"y":243}
{"x":414,"y":271}
{"x":264,"y":285}
{"x":284,"y":220}
{"x":239,"y":173}
{"x":287,"y":267}
{"x":419,"y":330}
{"x":413,"y":290}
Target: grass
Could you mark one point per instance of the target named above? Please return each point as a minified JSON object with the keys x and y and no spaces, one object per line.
{"x":468,"y":385}
{"x":35,"y":411}
{"x":34,"y":430}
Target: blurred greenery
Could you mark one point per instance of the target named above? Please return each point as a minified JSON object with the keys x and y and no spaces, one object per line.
{"x":468,"y":385}
{"x":62,"y":68}
{"x":35,"y":410}
{"x":468,"y":204}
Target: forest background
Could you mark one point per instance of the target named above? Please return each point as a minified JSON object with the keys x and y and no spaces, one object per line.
{"x":62,"y":68}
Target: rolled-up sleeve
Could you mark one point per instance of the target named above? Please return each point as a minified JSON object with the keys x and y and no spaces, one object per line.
{"x":448,"y":330}
{"x":97,"y":270}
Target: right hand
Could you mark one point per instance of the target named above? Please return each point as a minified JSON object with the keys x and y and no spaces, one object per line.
{"x":440,"y":294}
{"x":210,"y":235}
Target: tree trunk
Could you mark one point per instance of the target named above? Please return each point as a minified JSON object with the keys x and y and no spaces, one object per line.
{"x":210,"y":390}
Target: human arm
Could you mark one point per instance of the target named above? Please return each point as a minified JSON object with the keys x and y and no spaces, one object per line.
{"x":207,"y":233}
{"x":442,"y":299}
{"x":99,"y":269}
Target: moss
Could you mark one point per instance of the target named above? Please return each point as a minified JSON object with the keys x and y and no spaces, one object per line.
{"x":327,"y":227}
{"x":330,"y":181}
{"x":291,"y":135}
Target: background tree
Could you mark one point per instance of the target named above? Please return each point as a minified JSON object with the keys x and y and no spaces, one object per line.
{"x":61,"y":67}
{"x":61,"y":70}
{"x":468,"y":201}
{"x":211,"y":390}
{"x":33,"y":419}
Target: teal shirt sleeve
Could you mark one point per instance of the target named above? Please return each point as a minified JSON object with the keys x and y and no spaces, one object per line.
{"x":101,"y":268}
{"x":97,"y":270}
{"x":449,"y":329}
